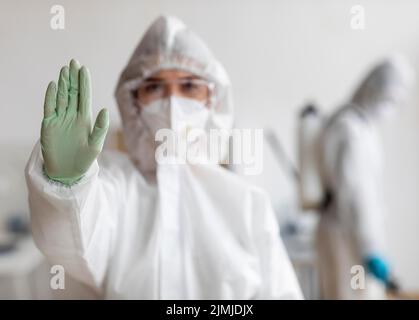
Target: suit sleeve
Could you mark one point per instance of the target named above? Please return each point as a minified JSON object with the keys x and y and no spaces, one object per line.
{"x":74,"y":227}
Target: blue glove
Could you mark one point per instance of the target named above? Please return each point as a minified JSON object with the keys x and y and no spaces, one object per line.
{"x":378,"y":267}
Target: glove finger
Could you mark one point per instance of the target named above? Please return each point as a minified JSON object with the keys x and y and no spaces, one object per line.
{"x":84,"y":109}
{"x":50,"y":100}
{"x":62,"y":94}
{"x":74,"y":86}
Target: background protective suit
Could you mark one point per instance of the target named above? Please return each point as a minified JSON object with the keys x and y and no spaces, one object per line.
{"x":199,"y":232}
{"x":350,"y":230}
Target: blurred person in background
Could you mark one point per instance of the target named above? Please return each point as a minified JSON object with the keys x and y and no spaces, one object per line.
{"x":350,"y":230}
{"x":131,"y":227}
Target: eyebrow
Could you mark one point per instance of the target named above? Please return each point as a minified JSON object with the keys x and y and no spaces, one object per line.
{"x":193,"y":77}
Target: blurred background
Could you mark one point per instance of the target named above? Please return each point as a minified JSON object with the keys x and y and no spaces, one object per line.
{"x":279,"y":55}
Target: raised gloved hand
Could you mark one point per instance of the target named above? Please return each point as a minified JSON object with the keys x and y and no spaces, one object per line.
{"x":69,"y":145}
{"x":378,"y":267}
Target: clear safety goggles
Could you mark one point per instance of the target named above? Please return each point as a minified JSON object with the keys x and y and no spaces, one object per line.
{"x":192,"y":88}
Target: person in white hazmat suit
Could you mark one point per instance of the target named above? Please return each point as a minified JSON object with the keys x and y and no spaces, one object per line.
{"x":350,"y":232}
{"x":135,"y":228}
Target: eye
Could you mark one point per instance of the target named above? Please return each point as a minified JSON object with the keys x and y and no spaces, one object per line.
{"x":189,"y":86}
{"x":150,"y":88}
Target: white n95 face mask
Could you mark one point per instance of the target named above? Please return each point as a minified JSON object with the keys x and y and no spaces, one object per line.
{"x":175,"y":113}
{"x":171,"y":122}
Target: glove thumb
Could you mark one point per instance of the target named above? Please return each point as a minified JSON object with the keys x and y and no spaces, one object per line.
{"x":97,"y":137}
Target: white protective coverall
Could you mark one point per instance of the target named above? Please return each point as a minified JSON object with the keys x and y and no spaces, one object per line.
{"x":199,"y":232}
{"x":351,"y":226}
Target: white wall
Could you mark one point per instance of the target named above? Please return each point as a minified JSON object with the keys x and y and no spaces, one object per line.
{"x":278,"y":54}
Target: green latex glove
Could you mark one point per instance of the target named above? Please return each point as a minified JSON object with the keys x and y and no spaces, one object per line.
{"x":69,"y":145}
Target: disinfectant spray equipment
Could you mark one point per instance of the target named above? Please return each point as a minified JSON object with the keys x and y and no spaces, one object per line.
{"x":310,"y":186}
{"x":307,"y":174}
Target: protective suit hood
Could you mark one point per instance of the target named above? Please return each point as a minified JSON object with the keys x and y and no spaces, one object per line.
{"x":168,"y":44}
{"x":387,"y":83}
